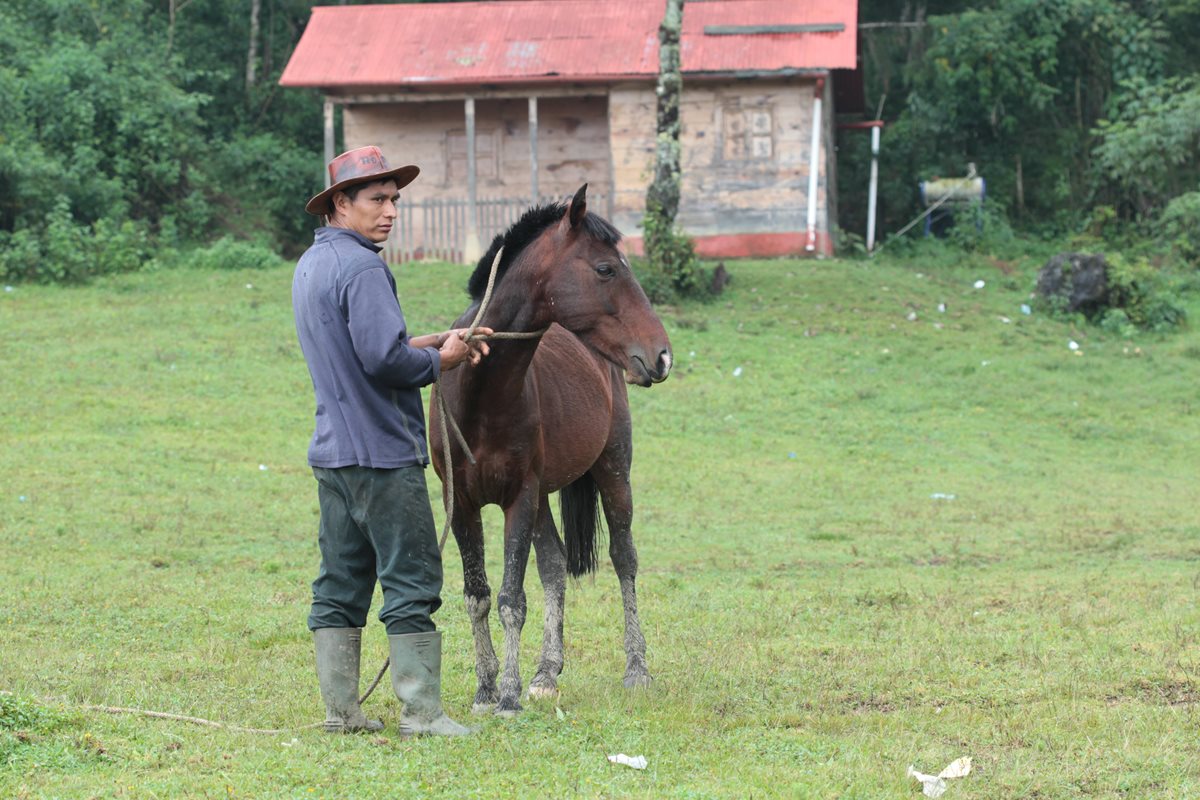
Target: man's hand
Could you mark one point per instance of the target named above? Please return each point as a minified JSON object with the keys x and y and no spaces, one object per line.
{"x":454,"y":348}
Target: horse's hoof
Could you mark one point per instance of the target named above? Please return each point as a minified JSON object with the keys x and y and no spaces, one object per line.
{"x":638,"y":681}
{"x":485,"y":701}
{"x":543,"y":692}
{"x":507,"y":708}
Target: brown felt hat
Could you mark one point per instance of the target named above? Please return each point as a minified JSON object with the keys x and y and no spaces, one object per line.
{"x":361,"y":165}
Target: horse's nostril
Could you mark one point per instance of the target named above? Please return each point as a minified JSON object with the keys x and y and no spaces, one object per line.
{"x":664,"y":363}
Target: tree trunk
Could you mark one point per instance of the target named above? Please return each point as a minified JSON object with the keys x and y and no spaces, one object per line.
{"x":662,"y":200}
{"x":252,"y":51}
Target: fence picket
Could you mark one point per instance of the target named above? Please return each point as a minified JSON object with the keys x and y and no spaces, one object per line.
{"x":434,"y":229}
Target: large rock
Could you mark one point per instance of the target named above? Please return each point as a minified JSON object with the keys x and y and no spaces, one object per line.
{"x":1076,"y":282}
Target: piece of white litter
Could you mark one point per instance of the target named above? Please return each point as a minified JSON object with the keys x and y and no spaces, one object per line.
{"x":8,"y":288}
{"x":737,"y":372}
{"x":935,"y":785}
{"x":942,"y":307}
{"x":262,"y":467}
{"x":941,"y":496}
{"x":1073,"y":345}
{"x":292,"y":743}
{"x":637,"y":762}
{"x":1006,"y":320}
{"x":980,"y":284}
{"x":912,"y":316}
{"x":1025,"y":309}
{"x":249,"y":285}
{"x":692,"y":354}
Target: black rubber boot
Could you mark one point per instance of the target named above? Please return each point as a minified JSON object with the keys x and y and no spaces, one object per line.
{"x":338,"y":652}
{"x":417,"y":681}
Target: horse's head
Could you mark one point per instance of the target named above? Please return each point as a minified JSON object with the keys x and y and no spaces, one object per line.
{"x":591,"y":291}
{"x":573,"y":273}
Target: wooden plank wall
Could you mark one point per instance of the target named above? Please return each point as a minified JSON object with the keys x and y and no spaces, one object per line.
{"x":572,"y":144}
{"x":745,"y":156}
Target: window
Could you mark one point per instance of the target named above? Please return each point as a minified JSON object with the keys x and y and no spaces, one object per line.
{"x":748,"y":133}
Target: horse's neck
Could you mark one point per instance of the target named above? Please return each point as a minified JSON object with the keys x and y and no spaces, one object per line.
{"x":513,"y":309}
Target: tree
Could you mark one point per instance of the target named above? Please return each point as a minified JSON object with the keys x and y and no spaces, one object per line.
{"x":668,"y":252}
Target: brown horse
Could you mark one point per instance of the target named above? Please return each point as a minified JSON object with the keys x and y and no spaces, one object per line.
{"x":550,"y":414}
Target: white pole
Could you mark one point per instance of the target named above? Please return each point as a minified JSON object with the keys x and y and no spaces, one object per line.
{"x":814,"y":167}
{"x":533,"y":151}
{"x":328,"y":139}
{"x":471,"y":247}
{"x":871,"y":191}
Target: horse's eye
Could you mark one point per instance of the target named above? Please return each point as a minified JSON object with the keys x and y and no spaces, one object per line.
{"x":605,"y":270}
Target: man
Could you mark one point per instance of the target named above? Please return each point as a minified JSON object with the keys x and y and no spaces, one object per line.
{"x":369,"y":449}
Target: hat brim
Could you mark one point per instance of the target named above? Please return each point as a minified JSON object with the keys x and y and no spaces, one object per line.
{"x":320,"y":204}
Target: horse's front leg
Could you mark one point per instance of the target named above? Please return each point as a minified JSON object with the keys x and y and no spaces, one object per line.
{"x":519,"y":519}
{"x":552,"y":569}
{"x":468,"y":532}
{"x":617,"y":497}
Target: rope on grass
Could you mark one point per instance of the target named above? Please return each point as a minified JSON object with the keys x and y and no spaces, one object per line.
{"x":198,"y":720}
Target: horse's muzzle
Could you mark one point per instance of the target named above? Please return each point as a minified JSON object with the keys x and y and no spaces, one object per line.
{"x":643,"y":375}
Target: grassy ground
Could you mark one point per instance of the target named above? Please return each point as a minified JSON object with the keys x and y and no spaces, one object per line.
{"x":872,"y":534}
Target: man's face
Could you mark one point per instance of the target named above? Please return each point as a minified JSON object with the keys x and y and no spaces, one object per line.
{"x":371,"y":212}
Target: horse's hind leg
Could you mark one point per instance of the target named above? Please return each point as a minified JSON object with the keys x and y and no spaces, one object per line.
{"x":612,"y":476}
{"x":552,"y":568}
{"x":478,"y":597}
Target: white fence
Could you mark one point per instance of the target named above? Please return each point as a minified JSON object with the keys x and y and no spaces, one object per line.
{"x":436,"y":228}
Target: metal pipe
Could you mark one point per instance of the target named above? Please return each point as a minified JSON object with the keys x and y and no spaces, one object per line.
{"x":873,"y":189}
{"x":814,"y":165}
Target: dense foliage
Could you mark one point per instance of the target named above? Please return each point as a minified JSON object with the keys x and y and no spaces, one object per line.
{"x":135,"y":129}
{"x":1073,"y":110}
{"x":131,"y":129}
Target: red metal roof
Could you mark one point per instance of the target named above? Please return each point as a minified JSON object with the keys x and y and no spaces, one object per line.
{"x":522,"y":41}
{"x":711,"y":52}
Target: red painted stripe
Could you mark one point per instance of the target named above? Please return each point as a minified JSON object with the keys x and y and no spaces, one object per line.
{"x":748,"y":245}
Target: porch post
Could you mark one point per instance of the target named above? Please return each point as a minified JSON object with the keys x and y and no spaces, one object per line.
{"x":471,"y":247}
{"x":533,"y":148}
{"x":328,"y":138}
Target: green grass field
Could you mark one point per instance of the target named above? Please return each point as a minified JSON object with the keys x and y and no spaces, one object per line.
{"x":872,"y":534}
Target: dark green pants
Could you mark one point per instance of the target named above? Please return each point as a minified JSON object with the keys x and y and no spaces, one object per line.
{"x":376,"y":524}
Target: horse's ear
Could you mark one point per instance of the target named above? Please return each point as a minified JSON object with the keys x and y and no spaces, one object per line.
{"x":578,"y":206}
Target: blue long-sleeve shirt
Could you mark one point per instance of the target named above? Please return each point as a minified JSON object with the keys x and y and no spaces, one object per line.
{"x":365,"y":374}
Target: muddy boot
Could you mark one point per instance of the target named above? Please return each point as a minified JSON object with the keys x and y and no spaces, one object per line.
{"x":338,"y":652}
{"x":417,"y":681}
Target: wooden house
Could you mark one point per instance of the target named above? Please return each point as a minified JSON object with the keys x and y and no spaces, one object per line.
{"x":501,"y":103}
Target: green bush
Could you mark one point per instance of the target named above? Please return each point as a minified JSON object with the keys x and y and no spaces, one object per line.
{"x":672,"y":270}
{"x":1143,"y":294}
{"x":1179,"y":228}
{"x":67,"y":251}
{"x":229,"y":254}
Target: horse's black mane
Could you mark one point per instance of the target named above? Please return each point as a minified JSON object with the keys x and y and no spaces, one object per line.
{"x":531,"y":225}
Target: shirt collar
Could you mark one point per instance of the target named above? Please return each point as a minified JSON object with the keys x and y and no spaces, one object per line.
{"x":328,"y":233}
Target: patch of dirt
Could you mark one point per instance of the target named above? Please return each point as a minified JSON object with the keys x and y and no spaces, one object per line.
{"x":877,"y":704}
{"x":1167,"y":692}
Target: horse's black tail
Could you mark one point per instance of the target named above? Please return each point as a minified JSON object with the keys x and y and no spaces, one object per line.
{"x":580,"y":507}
